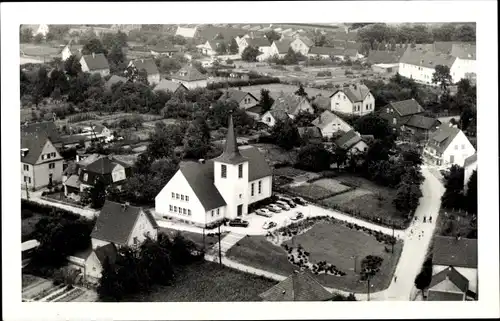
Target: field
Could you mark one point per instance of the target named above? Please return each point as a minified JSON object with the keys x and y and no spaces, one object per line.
{"x":288,"y":172}
{"x":40,"y":50}
{"x":450,"y":223}
{"x":311,"y":191}
{"x":209,"y":282}
{"x":331,"y":185}
{"x":275,"y":154}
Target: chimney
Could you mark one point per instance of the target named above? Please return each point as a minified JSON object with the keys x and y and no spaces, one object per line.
{"x":93,"y":55}
{"x":24,"y":151}
{"x":125,"y":205}
{"x":320,"y":121}
{"x":142,"y":60}
{"x":201,"y":161}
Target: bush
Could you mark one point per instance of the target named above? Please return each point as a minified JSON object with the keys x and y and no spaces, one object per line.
{"x":240,"y":83}
{"x":26,"y":213}
{"x":297,"y":68}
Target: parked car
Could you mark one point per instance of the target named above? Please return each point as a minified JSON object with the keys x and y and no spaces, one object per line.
{"x":268,"y":225}
{"x":288,"y":201}
{"x":264,"y":212}
{"x":299,"y":200}
{"x":238,"y":222}
{"x":274,"y":208}
{"x":297,"y":216}
{"x":283,"y":205}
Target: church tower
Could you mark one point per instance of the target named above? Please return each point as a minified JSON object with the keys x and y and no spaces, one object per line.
{"x":231,"y":176}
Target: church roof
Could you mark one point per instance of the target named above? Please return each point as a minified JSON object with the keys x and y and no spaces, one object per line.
{"x":231,"y":152}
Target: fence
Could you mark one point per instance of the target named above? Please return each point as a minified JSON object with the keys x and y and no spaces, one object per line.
{"x":52,"y":200}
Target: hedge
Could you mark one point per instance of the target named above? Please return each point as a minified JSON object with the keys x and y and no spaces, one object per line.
{"x":27,"y":205}
{"x":240,"y":83}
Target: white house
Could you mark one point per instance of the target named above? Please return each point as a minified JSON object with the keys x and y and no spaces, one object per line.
{"x":329,"y":123}
{"x":71,"y":49}
{"x":302,"y":45}
{"x":448,"y":285}
{"x":279,"y":48}
{"x":186,"y":32}
{"x":244,"y":99}
{"x":459,"y":253}
{"x":352,"y":142}
{"x":123,"y":225}
{"x":91,"y":261}
{"x":465,"y":63}
{"x":470,"y":165}
{"x":150,"y":67}
{"x":354,"y":99}
{"x":95,"y":63}
{"x":448,"y":146}
{"x":190,"y":77}
{"x":272,"y":116}
{"x":41,"y":29}
{"x":206,"y":192}
{"x":262,"y":44}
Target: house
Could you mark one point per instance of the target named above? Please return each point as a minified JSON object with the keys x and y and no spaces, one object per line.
{"x":448,"y":146}
{"x":352,"y":142}
{"x":465,"y":63}
{"x":386,"y":69}
{"x":321,"y":102}
{"x":211,"y":46}
{"x":114,"y":80}
{"x":329,"y":123}
{"x":244,"y":99}
{"x":255,"y":112}
{"x":355,"y":99}
{"x":470,"y":165}
{"x":71,"y":50}
{"x":123,"y":225}
{"x":167,"y":85}
{"x":76,"y":140}
{"x":300,"y":286}
{"x":164,"y":51}
{"x":321,"y":52}
{"x":272,"y":116}
{"x":99,"y":132}
{"x":41,"y":29}
{"x":384,"y":57}
{"x":190,"y":77}
{"x":260,"y":43}
{"x":421,"y":126}
{"x":48,"y":128}
{"x":207,"y":192}
{"x":302,"y":45}
{"x":149,"y":66}
{"x":41,"y":163}
{"x":398,"y":113}
{"x":95,"y":64}
{"x":186,"y":32}
{"x":95,"y":167}
{"x":310,"y":134}
{"x":448,"y":285}
{"x":90,"y":262}
{"x":459,"y":253}
{"x":221,"y":33}
{"x":125,"y":28}
{"x":292,"y":104}
{"x":279,"y":48}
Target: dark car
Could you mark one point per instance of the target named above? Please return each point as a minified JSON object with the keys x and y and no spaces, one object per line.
{"x":289,"y":201}
{"x":238,"y":222}
{"x":299,"y":200}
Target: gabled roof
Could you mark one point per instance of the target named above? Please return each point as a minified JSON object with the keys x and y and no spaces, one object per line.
{"x":279,"y":115}
{"x":464,"y":51}
{"x":258,"y":42}
{"x":114,"y":80}
{"x":323,"y":102}
{"x":283,"y":46}
{"x":103,"y":165}
{"x":96,"y":62}
{"x":424,"y":58}
{"x":308,"y":42}
{"x":311,"y":131}
{"x":446,"y":47}
{"x":422,"y":122}
{"x":355,"y":93}
{"x":300,"y":286}
{"x":168,"y":85}
{"x":444,"y":296}
{"x":289,"y":103}
{"x":236,"y":95}
{"x":211,"y":32}
{"x":443,"y":137}
{"x":350,"y":52}
{"x":451,"y":251}
{"x":106,"y":252}
{"x":34,"y":143}
{"x":451,"y":274}
{"x":348,"y":140}
{"x":186,"y":32}
{"x":470,"y":160}
{"x":189,"y":73}
{"x":326,"y":118}
{"x":165,"y":48}
{"x":115,"y":222}
{"x":407,"y":107}
{"x":146,"y":64}
{"x":383,"y":56}
{"x":48,"y":128}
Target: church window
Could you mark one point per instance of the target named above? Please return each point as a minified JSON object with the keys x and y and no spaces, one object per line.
{"x":260,"y":187}
{"x":173,"y":195}
{"x":223,"y":171}
{"x":189,"y":212}
{"x":171,"y":208}
{"x":240,"y":171}
{"x":252,"y":189}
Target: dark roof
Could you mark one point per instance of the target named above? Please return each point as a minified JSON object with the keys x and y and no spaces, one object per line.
{"x":167,"y":48}
{"x":422,"y":122}
{"x":189,"y":73}
{"x":258,"y":42}
{"x":349,"y":139}
{"x":311,"y":131}
{"x":470,"y":160}
{"x":236,"y":95}
{"x":83,"y":254}
{"x":103,"y":165}
{"x":279,"y":115}
{"x":115,"y":222}
{"x":443,"y":137}
{"x":74,"y":139}
{"x":444,"y":296}
{"x":351,"y":52}
{"x":96,"y":62}
{"x":424,"y":58}
{"x":288,"y":102}
{"x":255,"y":109}
{"x":322,"y":102}
{"x":211,"y":32}
{"x":450,"y":251}
{"x":34,"y":143}
{"x":300,"y":286}
{"x":446,"y":47}
{"x":326,"y":118}
{"x":151,"y":218}
{"x":114,"y":80}
{"x":454,"y":276}
{"x":146,"y":64}
{"x":48,"y":128}
{"x":283,"y":46}
{"x":464,"y":51}
{"x":107,"y":251}
{"x":321,"y":50}
{"x":383,"y":56}
{"x":407,"y":107}
{"x":257,"y":164}
{"x":355,"y":93}
{"x":231,"y":153}
{"x":168,"y":85}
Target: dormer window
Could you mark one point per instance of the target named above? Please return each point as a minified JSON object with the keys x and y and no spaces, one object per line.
{"x":223,"y":171}
{"x":240,"y":171}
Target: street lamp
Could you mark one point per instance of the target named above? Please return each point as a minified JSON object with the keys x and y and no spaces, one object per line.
{"x":355,"y":257}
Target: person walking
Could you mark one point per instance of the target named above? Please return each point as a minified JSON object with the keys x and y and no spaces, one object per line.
{"x":395,"y":278}
{"x":424,"y":219}
{"x":430,"y":219}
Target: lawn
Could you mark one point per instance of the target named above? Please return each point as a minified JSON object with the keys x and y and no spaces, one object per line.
{"x":274,"y":154}
{"x":39,"y":50}
{"x":311,"y":191}
{"x":289,"y":172}
{"x":197,"y":238}
{"x":209,"y":282}
{"x":331,"y":185}
{"x":450,"y":223}
{"x":258,"y":252}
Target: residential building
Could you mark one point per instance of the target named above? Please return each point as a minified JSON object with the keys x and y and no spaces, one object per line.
{"x":210,"y":47}
{"x":48,"y":128}
{"x":398,"y":113}
{"x":470,"y":165}
{"x":41,"y":163}
{"x":354,"y":99}
{"x":386,"y":69}
{"x":384,"y":57}
{"x":114,"y":80}
{"x":300,"y":286}
{"x":321,"y":102}
{"x":448,"y":146}
{"x":95,"y":64}
{"x":41,"y":29}
{"x":302,"y":45}
{"x":260,"y":43}
{"x":255,"y":112}
{"x":272,"y":116}
{"x":420,"y":126}
{"x":321,"y":52}
{"x":186,"y":32}
{"x":209,"y":191}
{"x":99,"y":132}
{"x":125,"y":28}
{"x":90,"y":262}
{"x":149,"y":66}
{"x":71,"y":50}
{"x":244,"y":99}
{"x":168,"y":85}
{"x":352,"y":142}
{"x":310,"y":134}
{"x":279,"y":48}
{"x":459,"y":253}
{"x":190,"y":77}
{"x":164,"y":51}
{"x":123,"y":225}
{"x":448,"y":285}
{"x":329,"y":124}
{"x":465,"y":64}
{"x":292,"y":104}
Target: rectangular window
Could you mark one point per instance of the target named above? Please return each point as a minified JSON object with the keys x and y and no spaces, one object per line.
{"x":184,"y":211}
{"x":252,"y":189}
{"x":456,"y":147}
{"x":182,"y":197}
{"x":26,"y":167}
{"x":175,"y":209}
{"x":212,"y":213}
{"x":260,"y":187}
{"x":171,"y":208}
{"x":240,"y":171}
{"x":43,"y":156}
{"x":176,"y":196}
{"x":223,"y":171}
{"x":53,"y":154}
{"x":85,"y":177}
{"x":218,"y":211}
{"x":173,"y":195}
{"x":189,"y":212}
{"x":187,"y":198}
{"x":136,"y":240}
{"x":52,"y":165}
{"x":463,"y":146}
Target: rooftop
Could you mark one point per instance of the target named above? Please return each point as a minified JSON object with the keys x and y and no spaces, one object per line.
{"x":451,"y":251}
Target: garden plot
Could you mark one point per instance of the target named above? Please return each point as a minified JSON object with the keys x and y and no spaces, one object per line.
{"x":311,"y":191}
{"x":332,"y":185}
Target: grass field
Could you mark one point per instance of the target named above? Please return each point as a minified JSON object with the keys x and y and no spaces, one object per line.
{"x":331,"y":185}
{"x":197,"y":238}
{"x":40,"y":50}
{"x":289,"y":172}
{"x":274,"y":154}
{"x":311,"y":191}
{"x":209,"y":282}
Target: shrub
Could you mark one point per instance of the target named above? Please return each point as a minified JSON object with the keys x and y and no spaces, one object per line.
{"x":26,"y":213}
{"x":297,"y":68}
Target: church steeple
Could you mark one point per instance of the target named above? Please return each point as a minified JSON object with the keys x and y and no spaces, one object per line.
{"x":231,"y":152}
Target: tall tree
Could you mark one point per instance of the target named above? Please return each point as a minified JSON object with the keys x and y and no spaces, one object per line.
{"x":442,"y":77}
{"x":370,"y":266}
{"x":197,"y":139}
{"x":286,"y":134}
{"x":94,"y":46}
{"x":250,"y":54}
{"x":314,"y":157}
{"x":471,"y":195}
{"x":273,"y":36}
{"x":301,"y":92}
{"x":454,"y":183}
{"x":221,"y":48}
{"x":233,"y":47}
{"x":407,"y":197}
{"x":424,"y":278}
{"x":266,"y":101}
{"x":466,"y":33}
{"x":116,"y":58}
{"x":72,"y":66}
{"x":25,"y":35}
{"x":96,"y":195}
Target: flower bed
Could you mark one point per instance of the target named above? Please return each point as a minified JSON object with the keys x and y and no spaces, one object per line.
{"x":332,"y":185}
{"x":311,"y":192}
{"x":56,"y":294}
{"x":299,"y":257}
{"x":47,"y":292}
{"x":70,"y":296}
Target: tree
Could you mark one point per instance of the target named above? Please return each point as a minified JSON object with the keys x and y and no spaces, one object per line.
{"x":407,"y":197}
{"x":56,"y":94}
{"x":221,"y":48}
{"x":116,"y":58}
{"x":233,"y":47}
{"x":94,"y":46}
{"x":42,"y":87}
{"x":290,"y":57}
{"x":424,"y":278}
{"x":301,"y":92}
{"x":250,"y":54}
{"x":314,"y":157}
{"x":96,"y":195}
{"x":373,"y":124}
{"x":370,"y":266}
{"x":442,"y":77}
{"x":266,"y":101}
{"x":444,"y":33}
{"x":38,"y":38}
{"x":454,"y":183}
{"x":466,"y":33}
{"x":59,"y":80}
{"x":272,"y":36}
{"x":471,"y":196}
{"x":25,"y":35}
{"x":72,"y":66}
{"x":413,"y":157}
{"x":286,"y":134}
{"x":136,"y":76}
{"x":197,"y":139}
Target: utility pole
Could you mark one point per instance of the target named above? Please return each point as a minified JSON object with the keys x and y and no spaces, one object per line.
{"x":368,"y":288}
{"x":220,"y":250}
{"x":355,"y":261}
{"x":27,"y":192}
{"x":393,"y":240}
{"x":203,"y":238}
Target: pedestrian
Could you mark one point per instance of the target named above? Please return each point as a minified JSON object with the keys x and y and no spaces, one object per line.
{"x":395,"y":278}
{"x":430,"y":219}
{"x":424,"y":219}
{"x":416,"y":218}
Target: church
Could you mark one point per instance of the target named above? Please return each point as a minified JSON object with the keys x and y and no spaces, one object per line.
{"x":205,"y":192}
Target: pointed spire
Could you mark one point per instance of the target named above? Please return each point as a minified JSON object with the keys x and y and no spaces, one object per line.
{"x":231,"y":152}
